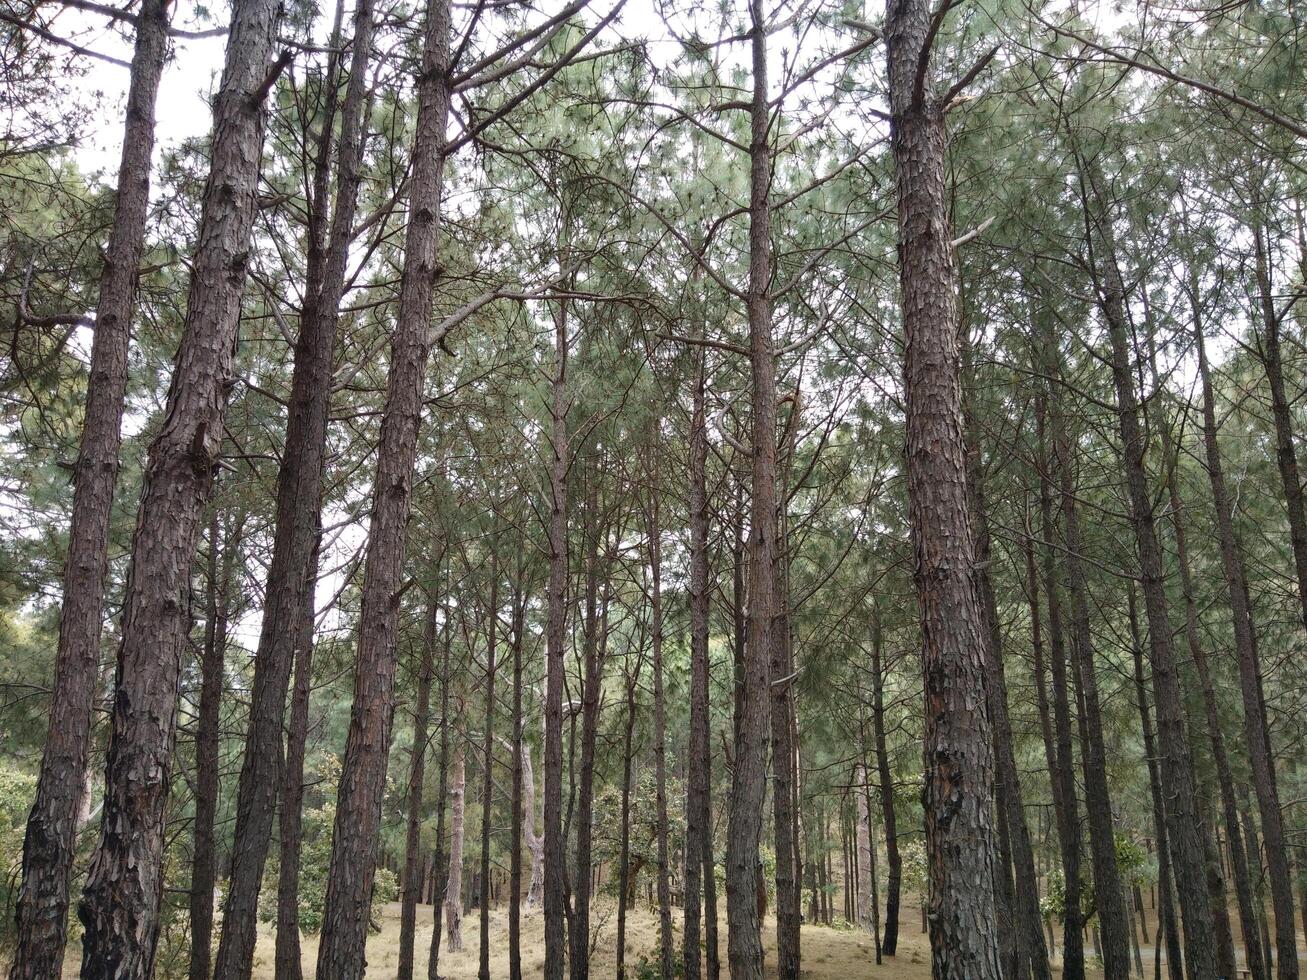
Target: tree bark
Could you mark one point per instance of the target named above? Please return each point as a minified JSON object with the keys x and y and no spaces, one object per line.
{"x":440,"y":860}
{"x":749,"y":775}
{"x":660,"y":724}
{"x":518,"y":747}
{"x":488,"y":760}
{"x":411,"y":885}
{"x":120,"y":906}
{"x":50,"y":842}
{"x":698,"y":816}
{"x":454,"y":879}
{"x":204,"y":862}
{"x":1184,"y":832}
{"x":363,"y":771}
{"x":893,"y":860}
{"x":958,"y":755}
{"x":292,"y":571}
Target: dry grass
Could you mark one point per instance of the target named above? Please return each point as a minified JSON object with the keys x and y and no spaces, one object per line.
{"x":835,"y":953}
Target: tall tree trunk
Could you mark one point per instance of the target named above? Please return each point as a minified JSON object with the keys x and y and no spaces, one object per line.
{"x":51,"y":837}
{"x":660,"y":723}
{"x":958,"y":755}
{"x":518,"y":748}
{"x":363,"y":770}
{"x":1113,"y":917}
{"x":120,"y":906}
{"x":624,"y":847}
{"x":1232,"y":566}
{"x":287,"y":962}
{"x":698,"y":813}
{"x":488,"y":760}
{"x":1061,"y":761}
{"x":1025,"y":896}
{"x":1286,"y":456}
{"x":453,"y":896}
{"x":534,"y":844}
{"x":1256,"y":726}
{"x":411,"y":886}
{"x":440,"y":860}
{"x":292,"y":572}
{"x":204,"y":861}
{"x":1183,"y":830}
{"x":749,"y":776}
{"x":893,"y":860}
{"x":1215,"y":730}
{"x":555,"y":849}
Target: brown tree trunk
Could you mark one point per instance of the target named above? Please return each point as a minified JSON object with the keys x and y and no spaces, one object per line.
{"x":411,"y":885}
{"x":292,"y":572}
{"x":120,"y":906}
{"x":51,"y":837}
{"x":958,"y":756}
{"x":287,"y":962}
{"x":488,"y":759}
{"x":1028,"y":924}
{"x":660,"y":723}
{"x":204,"y":861}
{"x":454,"y":879}
{"x":363,"y":771}
{"x":555,"y":852}
{"x":893,"y":860}
{"x":749,"y":776}
{"x":624,"y":847}
{"x":1061,"y":763}
{"x":518,"y":747}
{"x":698,"y":813}
{"x":440,"y":860}
{"x":1183,"y":830}
{"x":1112,"y":915}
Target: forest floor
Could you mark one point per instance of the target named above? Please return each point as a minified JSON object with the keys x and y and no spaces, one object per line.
{"x":838,"y":953}
{"x":829,"y":953}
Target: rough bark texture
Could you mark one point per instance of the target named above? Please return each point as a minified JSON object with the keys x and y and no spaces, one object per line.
{"x":363,"y":771}
{"x":665,"y":959}
{"x":893,"y":860}
{"x":1112,"y":915}
{"x":958,"y":757}
{"x":555,"y":856}
{"x":292,"y":572}
{"x":1061,"y":760}
{"x":1250,"y":682}
{"x":287,"y":962}
{"x":488,"y":763}
{"x":204,"y":863}
{"x":454,"y":881}
{"x":51,"y":837}
{"x":411,"y":885}
{"x":749,"y":776}
{"x":120,"y":907}
{"x":1184,"y":832}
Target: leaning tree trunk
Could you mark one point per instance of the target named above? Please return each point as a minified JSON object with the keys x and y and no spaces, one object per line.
{"x":292,"y":572}
{"x":958,"y":757}
{"x":51,"y":837}
{"x":1184,"y":832}
{"x":1250,"y":680}
{"x":120,"y":907}
{"x":204,"y":863}
{"x":363,"y":771}
{"x":411,"y":886}
{"x":749,"y":776}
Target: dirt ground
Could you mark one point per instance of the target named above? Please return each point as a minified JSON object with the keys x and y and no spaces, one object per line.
{"x":835,"y":953}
